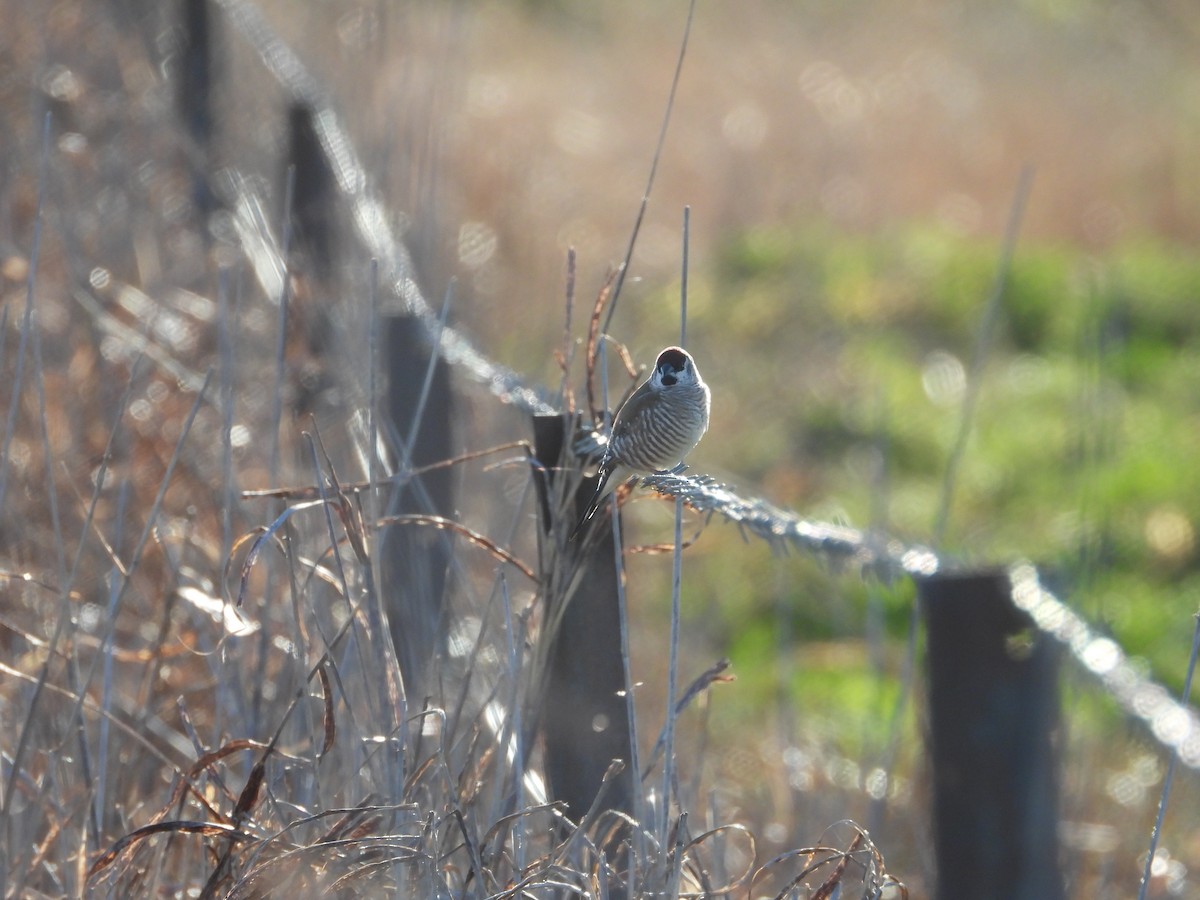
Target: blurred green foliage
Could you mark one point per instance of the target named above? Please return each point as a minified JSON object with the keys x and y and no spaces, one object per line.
{"x":1081,"y":454}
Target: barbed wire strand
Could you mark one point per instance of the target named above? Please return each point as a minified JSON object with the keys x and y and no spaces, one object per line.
{"x":370,"y":217}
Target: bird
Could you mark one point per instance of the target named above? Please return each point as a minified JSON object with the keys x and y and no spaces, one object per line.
{"x":660,"y":424}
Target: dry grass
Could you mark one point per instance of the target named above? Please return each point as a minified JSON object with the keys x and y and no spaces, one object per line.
{"x":202,"y":696}
{"x":162,"y":740}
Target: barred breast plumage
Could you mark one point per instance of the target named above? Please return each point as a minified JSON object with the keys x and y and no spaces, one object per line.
{"x":657,"y":426}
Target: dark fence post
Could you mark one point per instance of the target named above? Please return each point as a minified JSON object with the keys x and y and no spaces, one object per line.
{"x":194,"y":93}
{"x":993,"y":711}
{"x":584,"y":718}
{"x":415,"y":559}
{"x":314,"y":213}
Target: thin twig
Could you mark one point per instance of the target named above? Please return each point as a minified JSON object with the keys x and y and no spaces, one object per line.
{"x":676,"y":592}
{"x":1184,"y":699}
{"x":474,"y":537}
{"x":623,"y":270}
{"x":313,"y":492}
{"x":979,"y":358}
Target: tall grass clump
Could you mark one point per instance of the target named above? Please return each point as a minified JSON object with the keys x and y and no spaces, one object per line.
{"x":215,"y":680}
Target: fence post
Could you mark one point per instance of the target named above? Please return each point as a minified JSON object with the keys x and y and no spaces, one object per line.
{"x":583,"y":716}
{"x":415,"y":560}
{"x":314,"y":212}
{"x":194,"y":94}
{"x":993,"y":711}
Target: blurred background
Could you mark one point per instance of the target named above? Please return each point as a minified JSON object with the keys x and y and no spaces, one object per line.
{"x":850,"y":169}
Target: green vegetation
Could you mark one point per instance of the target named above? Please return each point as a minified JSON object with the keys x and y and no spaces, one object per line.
{"x":1081,"y":455}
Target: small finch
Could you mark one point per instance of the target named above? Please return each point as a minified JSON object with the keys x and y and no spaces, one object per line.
{"x":656,"y":427}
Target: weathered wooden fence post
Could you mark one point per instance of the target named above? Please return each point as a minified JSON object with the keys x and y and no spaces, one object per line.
{"x":315,"y":212}
{"x":415,"y":559}
{"x":993,"y":711}
{"x":417,"y":411}
{"x":584,"y":718}
{"x":194,"y":94}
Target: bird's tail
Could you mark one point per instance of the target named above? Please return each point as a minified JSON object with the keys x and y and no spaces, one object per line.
{"x":594,"y":505}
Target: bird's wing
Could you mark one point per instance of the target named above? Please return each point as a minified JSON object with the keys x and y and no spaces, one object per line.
{"x":635,"y":411}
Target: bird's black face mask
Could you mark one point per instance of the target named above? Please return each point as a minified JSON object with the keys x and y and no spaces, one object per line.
{"x":670,"y":363}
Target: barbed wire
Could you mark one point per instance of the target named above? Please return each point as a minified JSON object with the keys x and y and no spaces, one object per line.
{"x":1171,"y":722}
{"x":370,"y":216}
{"x":888,"y":557}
